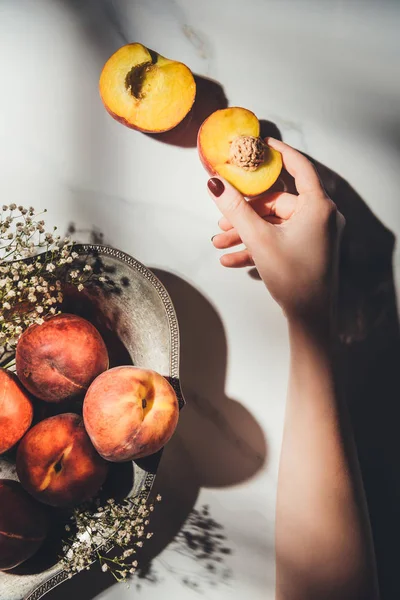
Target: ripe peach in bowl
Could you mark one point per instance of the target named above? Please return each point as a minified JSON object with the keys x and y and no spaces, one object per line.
{"x":130,"y":413}
{"x":59,"y":359}
{"x":229,"y":145}
{"x":23,"y":525}
{"x":146,"y":91}
{"x":16,"y":411}
{"x":57,"y":463}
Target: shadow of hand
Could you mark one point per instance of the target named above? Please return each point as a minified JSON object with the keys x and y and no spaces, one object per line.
{"x":370,"y":360}
{"x":370,"y":343}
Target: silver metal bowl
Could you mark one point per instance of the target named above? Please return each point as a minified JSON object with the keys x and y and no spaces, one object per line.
{"x":136,"y":317}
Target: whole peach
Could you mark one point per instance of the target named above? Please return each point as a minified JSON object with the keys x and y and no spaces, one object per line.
{"x":23,"y":525}
{"x":57,"y":463}
{"x":59,"y":359}
{"x":16,"y":411}
{"x":130,"y":413}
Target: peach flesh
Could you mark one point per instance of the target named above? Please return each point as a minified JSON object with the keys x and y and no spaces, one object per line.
{"x":229,"y":145}
{"x":146,"y":91}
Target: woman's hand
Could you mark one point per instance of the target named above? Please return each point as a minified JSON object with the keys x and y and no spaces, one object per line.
{"x":323,"y":541}
{"x":293,"y":240}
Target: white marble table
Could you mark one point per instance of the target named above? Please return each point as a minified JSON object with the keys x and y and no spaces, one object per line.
{"x":325,"y":74}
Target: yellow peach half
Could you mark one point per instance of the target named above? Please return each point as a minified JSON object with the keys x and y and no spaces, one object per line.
{"x":143,"y":90}
{"x":229,"y":145}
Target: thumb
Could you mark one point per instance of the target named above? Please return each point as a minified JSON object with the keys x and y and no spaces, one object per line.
{"x":236,"y":209}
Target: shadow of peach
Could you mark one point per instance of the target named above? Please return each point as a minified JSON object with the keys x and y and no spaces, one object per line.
{"x":210,"y":96}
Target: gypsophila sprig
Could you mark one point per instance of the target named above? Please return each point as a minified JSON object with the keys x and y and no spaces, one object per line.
{"x":121,"y":525}
{"x":34,"y":264}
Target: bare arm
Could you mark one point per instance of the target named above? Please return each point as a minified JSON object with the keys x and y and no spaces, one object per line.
{"x":323,"y":543}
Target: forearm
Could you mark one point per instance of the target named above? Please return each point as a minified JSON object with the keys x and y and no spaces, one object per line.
{"x":322,"y":534}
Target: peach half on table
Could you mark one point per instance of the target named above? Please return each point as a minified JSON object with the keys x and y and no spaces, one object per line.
{"x":57,"y":463}
{"x":146,"y":91}
{"x":16,"y":411}
{"x":130,"y":413}
{"x":23,"y":525}
{"x":229,"y":145}
{"x":60,"y":358}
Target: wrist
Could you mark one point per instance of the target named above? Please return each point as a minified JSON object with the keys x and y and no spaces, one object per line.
{"x":318,"y":326}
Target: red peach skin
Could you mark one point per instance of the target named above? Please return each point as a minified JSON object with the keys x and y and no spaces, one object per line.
{"x":59,"y":359}
{"x":23,"y":525}
{"x":16,"y":411}
{"x":130,"y":413}
{"x":57,"y":463}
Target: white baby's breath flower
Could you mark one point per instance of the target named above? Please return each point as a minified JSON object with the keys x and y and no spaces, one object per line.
{"x":50,"y":267}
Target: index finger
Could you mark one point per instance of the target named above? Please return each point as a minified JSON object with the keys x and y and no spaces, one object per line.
{"x":299,"y":167}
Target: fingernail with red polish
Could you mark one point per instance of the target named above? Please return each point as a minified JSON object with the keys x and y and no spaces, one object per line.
{"x":216,"y":186}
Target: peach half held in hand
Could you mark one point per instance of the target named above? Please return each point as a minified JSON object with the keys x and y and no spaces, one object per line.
{"x":130,"y":413}
{"x":59,"y":359}
{"x":16,"y":411}
{"x":146,"y":91}
{"x":23,"y":525}
{"x":229,"y":145}
{"x":57,"y":464}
